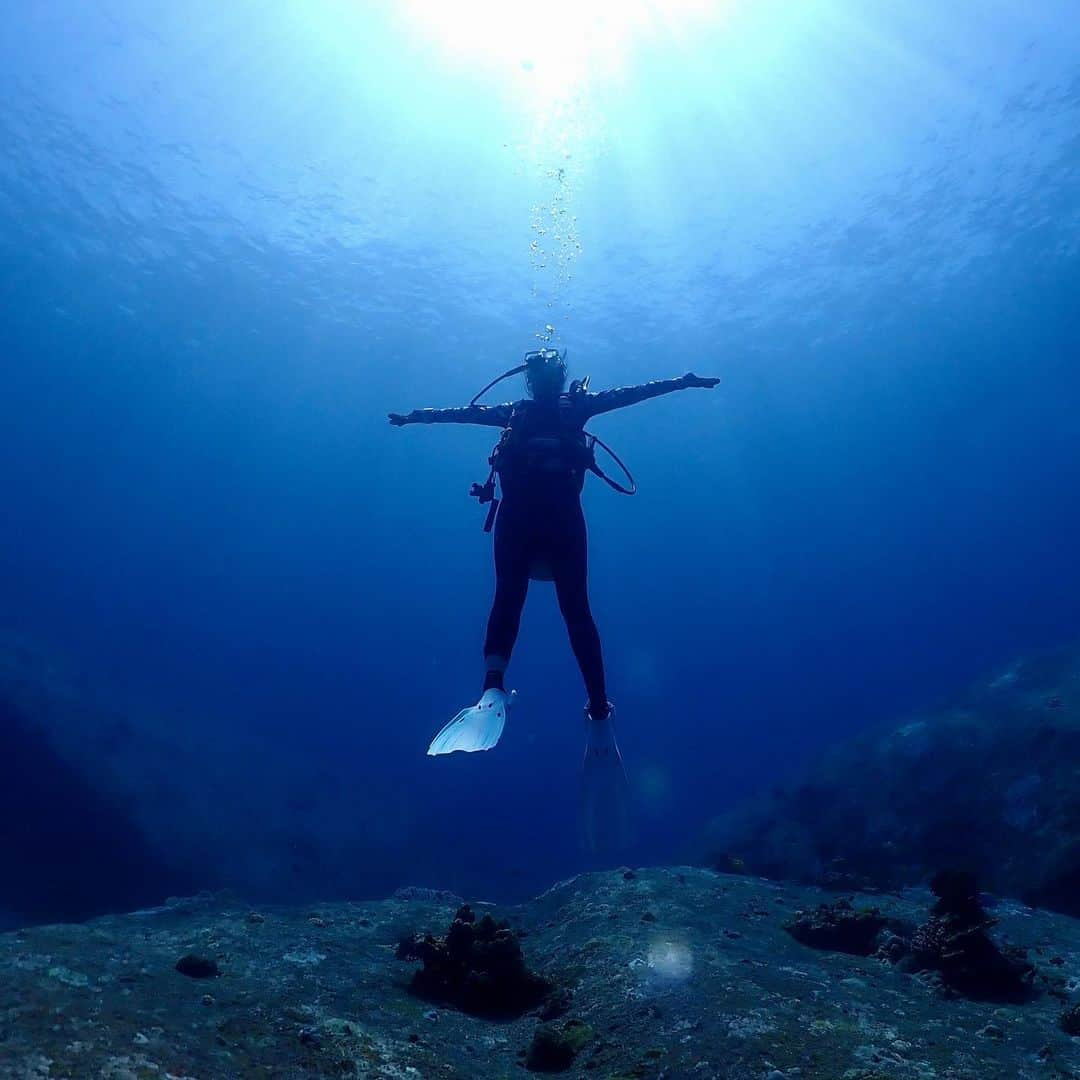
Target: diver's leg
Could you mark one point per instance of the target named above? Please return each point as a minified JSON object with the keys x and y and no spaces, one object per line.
{"x":511,"y":588}
{"x":605,"y":793}
{"x":480,"y":726}
{"x":571,"y":586}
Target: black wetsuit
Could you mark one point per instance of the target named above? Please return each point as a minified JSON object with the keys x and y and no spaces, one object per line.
{"x":540,"y":529}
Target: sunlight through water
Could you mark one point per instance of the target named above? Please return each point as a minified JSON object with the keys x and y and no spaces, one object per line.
{"x":551,"y":50}
{"x":559,"y":63}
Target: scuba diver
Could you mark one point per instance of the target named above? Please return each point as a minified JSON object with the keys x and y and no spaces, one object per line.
{"x":540,"y":463}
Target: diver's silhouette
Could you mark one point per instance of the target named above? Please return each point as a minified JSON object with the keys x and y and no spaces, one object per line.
{"x":541,"y":462}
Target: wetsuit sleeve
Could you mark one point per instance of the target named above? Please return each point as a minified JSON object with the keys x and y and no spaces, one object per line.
{"x":621,"y":396}
{"x":485,"y":415}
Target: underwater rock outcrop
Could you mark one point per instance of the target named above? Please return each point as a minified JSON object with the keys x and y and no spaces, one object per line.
{"x":77,"y":848}
{"x":119,"y":807}
{"x":989,"y":785}
{"x":478,"y":967}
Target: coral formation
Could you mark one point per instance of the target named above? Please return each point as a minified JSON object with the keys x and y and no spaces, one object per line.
{"x":554,"y":1048}
{"x":478,"y":967}
{"x":955,"y":941}
{"x":1070,"y":1021}
{"x":839,"y":926}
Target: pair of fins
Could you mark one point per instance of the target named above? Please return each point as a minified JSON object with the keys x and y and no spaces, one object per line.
{"x":605,"y":792}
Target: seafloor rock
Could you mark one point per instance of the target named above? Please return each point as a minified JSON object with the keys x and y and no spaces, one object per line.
{"x":988,"y":784}
{"x":554,"y":1047}
{"x":839,"y":926}
{"x":429,"y":896}
{"x":714,"y":988}
{"x":478,"y":968}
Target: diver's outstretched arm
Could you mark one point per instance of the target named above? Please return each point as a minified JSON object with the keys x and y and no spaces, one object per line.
{"x":621,"y":396}
{"x":485,"y":415}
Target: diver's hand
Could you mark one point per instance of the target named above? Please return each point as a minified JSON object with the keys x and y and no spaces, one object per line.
{"x":397,"y":419}
{"x":699,"y":380}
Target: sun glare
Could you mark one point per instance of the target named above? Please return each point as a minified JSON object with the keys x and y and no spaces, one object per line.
{"x":552,"y":48}
{"x":558,"y":62}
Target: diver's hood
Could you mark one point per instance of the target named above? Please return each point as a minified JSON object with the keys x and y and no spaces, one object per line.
{"x":535,"y":363}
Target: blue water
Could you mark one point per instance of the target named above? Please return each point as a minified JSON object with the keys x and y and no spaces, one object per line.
{"x":232,"y":239}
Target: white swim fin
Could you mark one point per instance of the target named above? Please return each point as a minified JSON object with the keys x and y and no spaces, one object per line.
{"x":605,"y":791}
{"x":478,"y":727}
